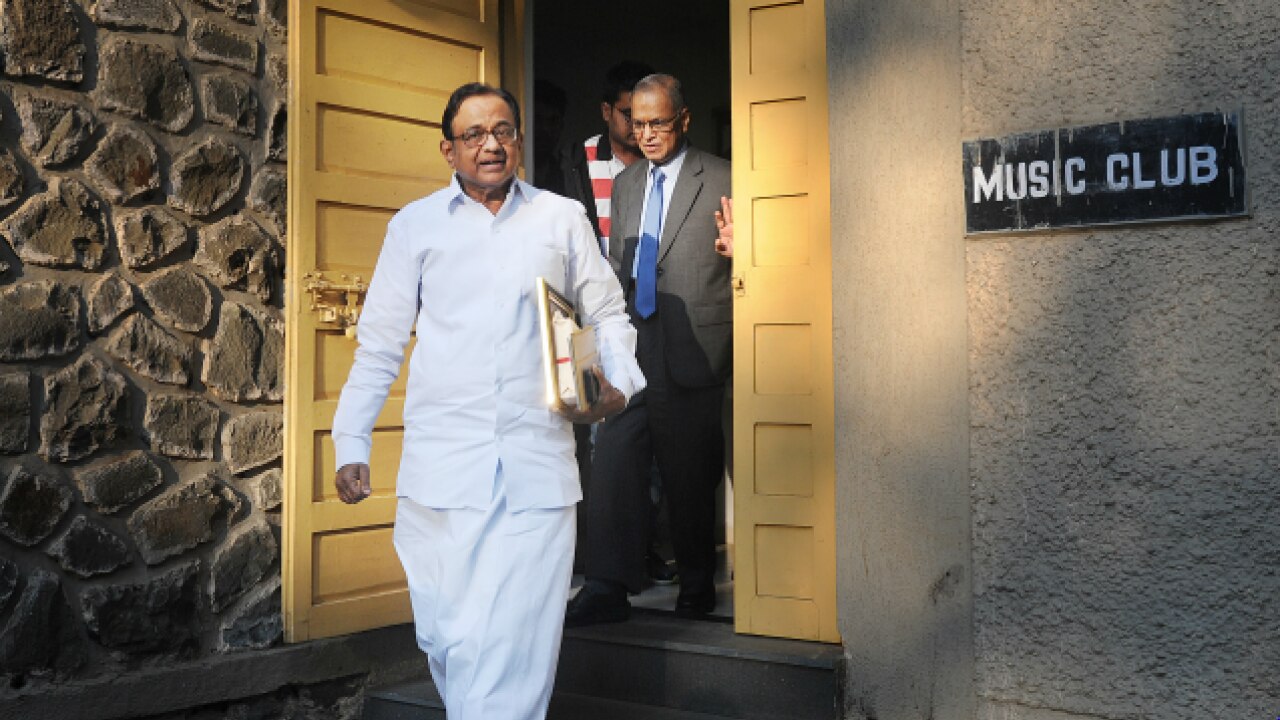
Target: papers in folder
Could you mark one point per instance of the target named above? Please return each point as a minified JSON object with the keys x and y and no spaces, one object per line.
{"x":568,"y":352}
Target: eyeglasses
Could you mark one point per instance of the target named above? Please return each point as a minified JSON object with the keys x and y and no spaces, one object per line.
{"x":626,"y":113}
{"x":476,"y":137}
{"x":658,"y":126}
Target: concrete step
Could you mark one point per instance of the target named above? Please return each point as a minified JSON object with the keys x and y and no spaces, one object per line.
{"x":417,"y":700}
{"x":656,"y":666}
{"x":566,"y":706}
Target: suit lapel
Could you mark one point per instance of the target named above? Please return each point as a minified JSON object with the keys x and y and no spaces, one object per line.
{"x":625,"y":216}
{"x":688,"y":185}
{"x":634,"y":189}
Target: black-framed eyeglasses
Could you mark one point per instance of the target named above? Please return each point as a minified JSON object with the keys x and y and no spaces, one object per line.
{"x":626,"y":112}
{"x":658,"y":126}
{"x":475,"y":137}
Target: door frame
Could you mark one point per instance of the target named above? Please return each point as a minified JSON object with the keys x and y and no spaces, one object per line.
{"x":516,"y":63}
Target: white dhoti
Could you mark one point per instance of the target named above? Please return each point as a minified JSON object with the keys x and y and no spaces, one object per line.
{"x":488,"y":589}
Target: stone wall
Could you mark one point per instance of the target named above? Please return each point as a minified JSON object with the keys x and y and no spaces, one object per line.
{"x":142,"y":201}
{"x":333,"y":700}
{"x":1125,"y":384}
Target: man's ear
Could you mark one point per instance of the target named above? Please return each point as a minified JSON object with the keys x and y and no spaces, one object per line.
{"x":606,"y":111}
{"x":446,"y":149}
{"x":684,"y":120}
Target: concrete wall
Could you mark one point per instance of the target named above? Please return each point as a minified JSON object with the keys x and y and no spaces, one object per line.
{"x":1114,"y":404}
{"x":1125,"y":385}
{"x":900,"y":356}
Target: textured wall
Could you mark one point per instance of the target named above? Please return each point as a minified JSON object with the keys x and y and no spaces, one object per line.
{"x":902,"y":444}
{"x":1125,"y":385}
{"x":142,"y":211}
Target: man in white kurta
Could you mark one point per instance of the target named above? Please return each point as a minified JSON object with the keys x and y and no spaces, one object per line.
{"x":488,"y":481}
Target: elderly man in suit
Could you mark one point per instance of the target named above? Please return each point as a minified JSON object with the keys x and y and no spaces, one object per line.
{"x":670,"y":244}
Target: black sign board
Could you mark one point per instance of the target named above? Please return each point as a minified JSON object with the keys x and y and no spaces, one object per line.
{"x":1180,"y":168}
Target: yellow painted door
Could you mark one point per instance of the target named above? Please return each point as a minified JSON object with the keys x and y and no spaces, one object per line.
{"x":368,"y":81}
{"x":784,"y":444}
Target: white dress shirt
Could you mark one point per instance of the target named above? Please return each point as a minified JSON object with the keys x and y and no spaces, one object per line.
{"x":476,"y":393}
{"x":670,"y":173}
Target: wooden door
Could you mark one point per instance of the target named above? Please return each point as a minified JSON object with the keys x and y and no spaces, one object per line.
{"x":368,"y":81}
{"x":784,"y":443}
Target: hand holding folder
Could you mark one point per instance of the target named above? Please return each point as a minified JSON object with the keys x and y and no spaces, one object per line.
{"x":575,"y":385}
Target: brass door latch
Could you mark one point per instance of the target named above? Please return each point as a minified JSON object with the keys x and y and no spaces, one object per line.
{"x":739,"y":285}
{"x":336,"y":302}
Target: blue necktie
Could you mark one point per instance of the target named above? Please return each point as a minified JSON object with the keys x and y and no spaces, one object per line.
{"x":650,"y":232}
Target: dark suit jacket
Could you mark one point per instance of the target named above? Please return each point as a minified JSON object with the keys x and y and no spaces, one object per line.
{"x":576,"y":178}
{"x":695,"y":301}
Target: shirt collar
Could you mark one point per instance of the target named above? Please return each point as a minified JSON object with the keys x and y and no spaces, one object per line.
{"x":671,"y":168}
{"x":520,"y":191}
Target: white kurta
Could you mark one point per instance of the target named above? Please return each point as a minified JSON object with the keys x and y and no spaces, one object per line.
{"x":488,"y":479}
{"x":475,"y":392}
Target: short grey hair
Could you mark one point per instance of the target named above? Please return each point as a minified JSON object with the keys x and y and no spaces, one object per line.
{"x":667,"y":84}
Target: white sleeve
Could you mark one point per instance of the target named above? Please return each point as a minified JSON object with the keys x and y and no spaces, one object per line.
{"x":385,"y":324}
{"x":598,"y":297}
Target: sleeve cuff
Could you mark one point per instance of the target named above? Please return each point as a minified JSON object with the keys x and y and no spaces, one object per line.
{"x":349,"y":450}
{"x":619,"y":365}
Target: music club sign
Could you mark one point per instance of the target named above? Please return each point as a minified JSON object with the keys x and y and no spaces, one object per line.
{"x":1189,"y":167}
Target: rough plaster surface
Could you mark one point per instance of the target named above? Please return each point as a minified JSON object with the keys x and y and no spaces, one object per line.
{"x":1125,"y":385}
{"x":900,"y":352}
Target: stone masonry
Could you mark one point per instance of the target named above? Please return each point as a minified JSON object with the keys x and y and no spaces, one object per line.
{"x":142,"y":197}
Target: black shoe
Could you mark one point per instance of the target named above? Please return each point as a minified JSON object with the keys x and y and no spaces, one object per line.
{"x":695,"y":605}
{"x":594,"y":604}
{"x":660,"y":572}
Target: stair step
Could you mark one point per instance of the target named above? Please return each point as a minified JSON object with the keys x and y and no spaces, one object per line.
{"x":407,"y":701}
{"x":419,"y":701}
{"x":567,"y":706}
{"x":658,"y":667}
{"x":658,"y":660}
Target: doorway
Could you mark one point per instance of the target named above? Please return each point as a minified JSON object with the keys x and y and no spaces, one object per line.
{"x":368,"y":81}
{"x":574,"y":43}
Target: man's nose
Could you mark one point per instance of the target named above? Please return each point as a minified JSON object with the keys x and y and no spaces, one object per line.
{"x":491,"y":142}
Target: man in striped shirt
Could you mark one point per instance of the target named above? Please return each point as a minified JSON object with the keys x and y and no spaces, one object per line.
{"x":589,"y":168}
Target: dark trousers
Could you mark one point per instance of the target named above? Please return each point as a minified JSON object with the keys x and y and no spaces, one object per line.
{"x":583,"y":447}
{"x":681,"y":429}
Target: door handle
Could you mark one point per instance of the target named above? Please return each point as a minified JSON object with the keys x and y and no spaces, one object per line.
{"x":337,"y":303}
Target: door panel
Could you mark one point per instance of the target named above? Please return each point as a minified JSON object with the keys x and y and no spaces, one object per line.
{"x":368,"y":82}
{"x":783,"y":394}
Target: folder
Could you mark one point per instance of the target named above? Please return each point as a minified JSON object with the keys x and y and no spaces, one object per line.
{"x":568,"y":352}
